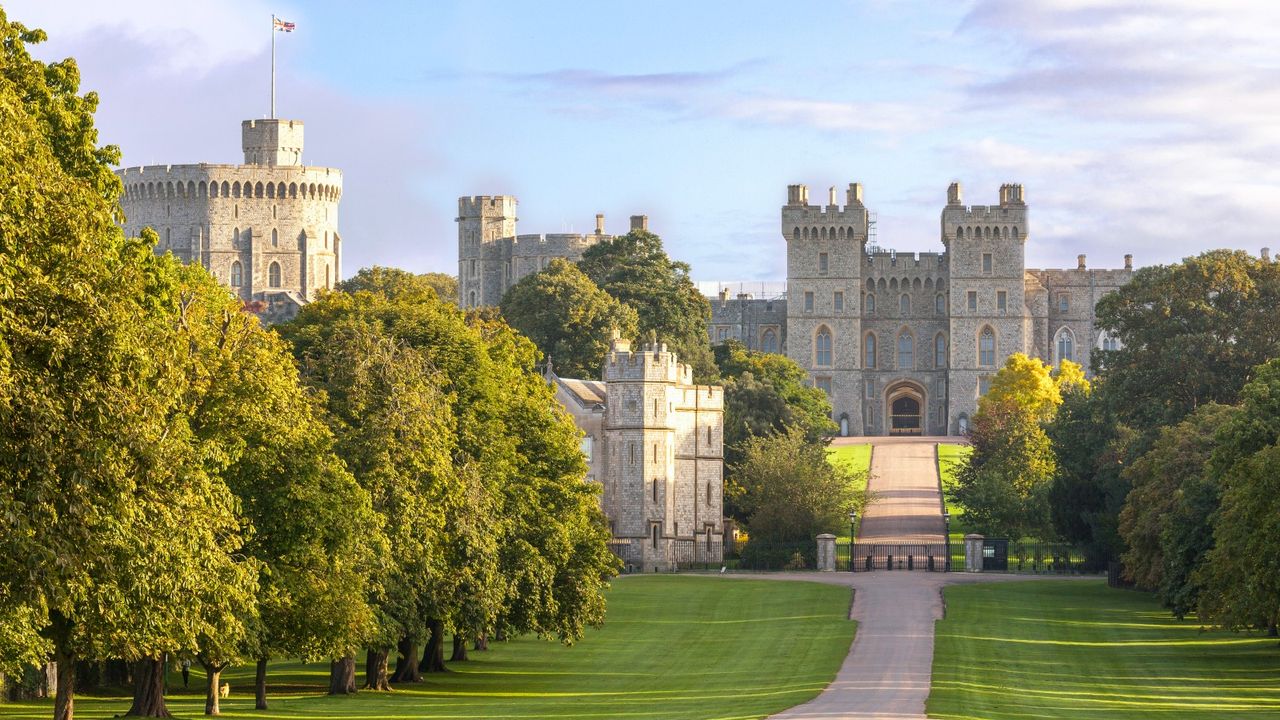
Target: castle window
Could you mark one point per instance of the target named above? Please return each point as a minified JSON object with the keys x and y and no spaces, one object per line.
{"x":940,"y":387}
{"x":808,"y":302}
{"x":769,"y":341}
{"x":1002,"y":300}
{"x":795,"y":233}
{"x":987,"y":347}
{"x":822,"y":263}
{"x":235,"y":238}
{"x":973,"y":301}
{"x":237,"y":274}
{"x":273,"y":275}
{"x":904,"y":305}
{"x":328,"y":279}
{"x":722,"y":334}
{"x":473,"y":269}
{"x":708,"y":435}
{"x":940,"y":351}
{"x":869,"y":389}
{"x":708,"y":492}
{"x":1064,"y":303}
{"x":655,"y":445}
{"x":275,"y":238}
{"x":869,"y":351}
{"x":871,"y":303}
{"x":1108,"y":343}
{"x":984,"y":385}
{"x":839,"y":301}
{"x":631,"y":453}
{"x":823,"y":384}
{"x":1015,"y":232}
{"x":986,"y":263}
{"x":906,"y":351}
{"x":655,"y":535}
{"x":822,"y":348}
{"x":471,"y":301}
{"x":1065,"y":346}
{"x":940,"y":304}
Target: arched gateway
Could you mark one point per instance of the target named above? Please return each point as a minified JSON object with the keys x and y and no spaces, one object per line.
{"x":905,"y":403}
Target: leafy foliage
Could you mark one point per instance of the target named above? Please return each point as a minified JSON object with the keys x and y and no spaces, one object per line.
{"x":568,"y":318}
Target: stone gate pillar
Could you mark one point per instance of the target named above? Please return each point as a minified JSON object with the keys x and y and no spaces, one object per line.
{"x":827,"y":552}
{"x":973,"y":552}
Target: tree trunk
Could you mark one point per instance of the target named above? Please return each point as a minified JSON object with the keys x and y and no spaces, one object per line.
{"x":375,"y":669}
{"x":482,"y":642}
{"x":212,"y":687}
{"x":260,"y":685}
{"x":64,"y":703}
{"x":342,"y":676}
{"x":148,"y":689}
{"x":459,"y":649}
{"x":407,"y":664}
{"x":433,"y":658}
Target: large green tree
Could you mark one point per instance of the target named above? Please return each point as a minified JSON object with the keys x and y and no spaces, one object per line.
{"x":636,"y":270}
{"x":568,"y":318}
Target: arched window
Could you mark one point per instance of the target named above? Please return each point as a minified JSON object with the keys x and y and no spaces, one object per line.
{"x":963,"y":424}
{"x":655,"y":535}
{"x":987,"y":347}
{"x":940,"y":304}
{"x":871,"y":303}
{"x":940,"y":351}
{"x":869,"y":351}
{"x":822,"y":347}
{"x":273,"y":275}
{"x":904,"y":305}
{"x":237,"y":274}
{"x":471,"y":299}
{"x":275,"y":238}
{"x":326,"y":245}
{"x":906,"y":351}
{"x":328,"y":277}
{"x":1107,"y":342}
{"x":769,"y":341}
{"x":1065,"y":345}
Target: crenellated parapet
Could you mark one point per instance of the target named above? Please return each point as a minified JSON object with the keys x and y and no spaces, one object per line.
{"x":1006,"y":221}
{"x":802,"y":221}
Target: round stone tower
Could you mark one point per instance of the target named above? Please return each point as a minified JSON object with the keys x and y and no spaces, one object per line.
{"x":268,"y":229}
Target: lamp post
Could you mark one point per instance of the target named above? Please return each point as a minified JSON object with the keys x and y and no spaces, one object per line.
{"x":946,"y":519}
{"x":853,"y":527}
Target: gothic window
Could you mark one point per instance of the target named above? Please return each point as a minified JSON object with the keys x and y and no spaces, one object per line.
{"x":471,"y":301}
{"x":940,"y":304}
{"x":839,"y":301}
{"x":822,"y":347}
{"x":906,"y":351}
{"x":869,"y":351}
{"x":235,"y":238}
{"x":273,"y":275}
{"x":904,"y":305}
{"x":275,"y":238}
{"x":795,"y":233}
{"x":1107,"y":342}
{"x":237,"y":274}
{"x":769,"y":341}
{"x":940,"y":351}
{"x":871,"y":303}
{"x":1065,"y":346}
{"x":987,"y":347}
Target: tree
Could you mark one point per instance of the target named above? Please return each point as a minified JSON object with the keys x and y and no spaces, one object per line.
{"x":789,"y":492}
{"x":636,"y":270}
{"x":1191,"y":333}
{"x":568,"y":318}
{"x":395,"y":283}
{"x":446,"y":286}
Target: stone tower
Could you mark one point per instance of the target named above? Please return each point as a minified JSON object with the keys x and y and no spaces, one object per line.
{"x":268,"y":229}
{"x":483,"y":220}
{"x":988,"y":321}
{"x":663,"y":484}
{"x":825,"y":250}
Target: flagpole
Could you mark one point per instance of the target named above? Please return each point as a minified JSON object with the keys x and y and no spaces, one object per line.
{"x":273,"y":66}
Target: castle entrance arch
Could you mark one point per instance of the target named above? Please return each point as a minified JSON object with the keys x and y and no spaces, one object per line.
{"x":905,"y":404}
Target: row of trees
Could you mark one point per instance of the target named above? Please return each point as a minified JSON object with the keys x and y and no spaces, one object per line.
{"x":177,"y":482}
{"x":1169,"y":462}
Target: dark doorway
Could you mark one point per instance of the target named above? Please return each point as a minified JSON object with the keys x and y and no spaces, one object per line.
{"x":905,"y":416}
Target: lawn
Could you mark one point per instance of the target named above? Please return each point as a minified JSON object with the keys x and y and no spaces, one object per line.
{"x":1083,"y":650}
{"x":672,"y":647}
{"x":950,"y":457}
{"x":857,"y":457}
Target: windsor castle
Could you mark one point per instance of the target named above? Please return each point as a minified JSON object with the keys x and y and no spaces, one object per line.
{"x":902,"y":343}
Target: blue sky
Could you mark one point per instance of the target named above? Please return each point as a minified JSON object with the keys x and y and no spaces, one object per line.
{"x":1136,"y":127}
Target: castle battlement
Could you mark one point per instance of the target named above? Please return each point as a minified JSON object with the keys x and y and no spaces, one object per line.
{"x":887,"y":261}
{"x":480,"y":204}
{"x":651,"y":363}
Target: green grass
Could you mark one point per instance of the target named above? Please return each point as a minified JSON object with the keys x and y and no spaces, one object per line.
{"x":672,"y":647}
{"x":1083,"y":650}
{"x":858,"y":459}
{"x":950,"y":458}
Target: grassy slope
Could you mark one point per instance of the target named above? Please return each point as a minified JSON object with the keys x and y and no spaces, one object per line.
{"x":672,"y":647}
{"x":858,"y":458}
{"x":1083,"y":650}
{"x":950,"y":456}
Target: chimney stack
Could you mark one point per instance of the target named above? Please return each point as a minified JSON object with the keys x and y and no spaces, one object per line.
{"x":640,"y":222}
{"x":599,"y":223}
{"x":831,"y":196}
{"x":854,"y":193}
{"x":1080,"y":262}
{"x":1128,"y":262}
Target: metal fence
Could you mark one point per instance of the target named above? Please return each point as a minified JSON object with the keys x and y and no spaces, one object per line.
{"x":930,"y":557}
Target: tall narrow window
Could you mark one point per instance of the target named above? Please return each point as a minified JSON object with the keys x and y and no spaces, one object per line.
{"x":823,"y":263}
{"x":655,"y":535}
{"x":273,"y":275}
{"x":823,"y":384}
{"x":655,"y":489}
{"x":869,"y":389}
{"x":708,"y":494}
{"x":1065,"y":345}
{"x":869,"y":351}
{"x":839,"y":301}
{"x":984,"y":385}
{"x":904,"y":305}
{"x":655,"y":446}
{"x":987,"y":348}
{"x":769,"y":341}
{"x":973,"y":301}
{"x":906,"y":351}
{"x":940,"y":304}
{"x":275,"y":238}
{"x":631,"y":453}
{"x":986,"y":263}
{"x":1064,"y":303}
{"x":808,"y":302}
{"x":871,"y":303}
{"x":822,"y":348}
{"x":940,"y":351}
{"x":1002,"y":300}
{"x":237,"y":274}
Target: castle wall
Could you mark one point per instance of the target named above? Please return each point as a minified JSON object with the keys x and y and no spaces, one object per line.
{"x":758,"y":323}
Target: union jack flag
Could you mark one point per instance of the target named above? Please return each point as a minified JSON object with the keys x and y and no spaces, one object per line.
{"x":283,"y":26}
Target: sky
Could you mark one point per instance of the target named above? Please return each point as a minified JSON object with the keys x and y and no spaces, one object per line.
{"x":1135,"y":127}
